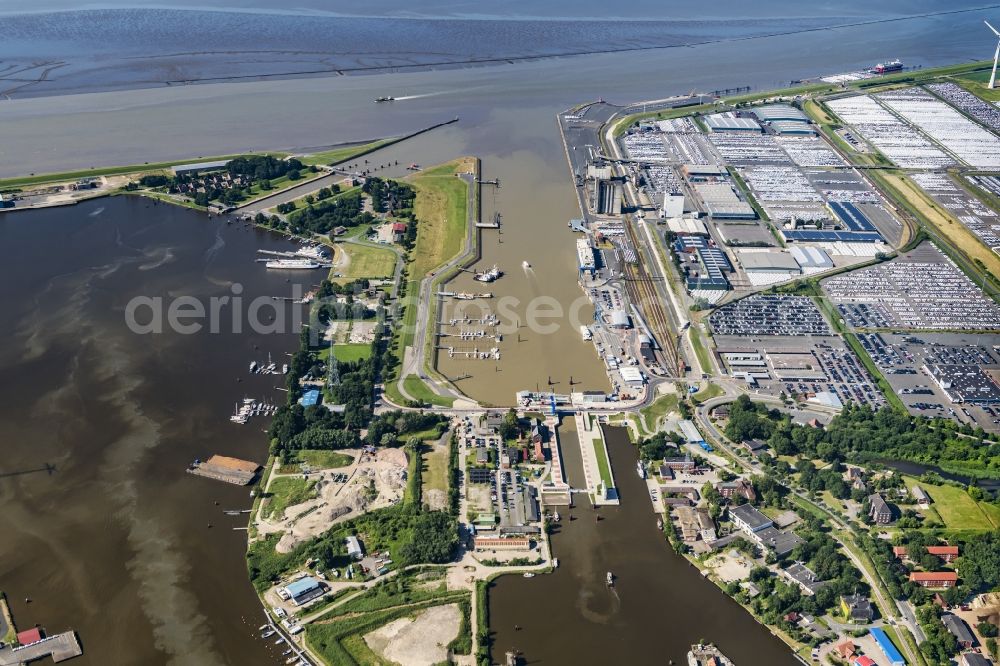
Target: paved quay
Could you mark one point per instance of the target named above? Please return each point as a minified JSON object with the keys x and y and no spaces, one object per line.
{"x":60,"y":647}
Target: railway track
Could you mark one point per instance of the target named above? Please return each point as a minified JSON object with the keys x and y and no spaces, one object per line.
{"x":642,"y":292}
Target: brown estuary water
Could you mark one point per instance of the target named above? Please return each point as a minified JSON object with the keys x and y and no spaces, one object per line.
{"x":658,"y":606}
{"x":101,"y":528}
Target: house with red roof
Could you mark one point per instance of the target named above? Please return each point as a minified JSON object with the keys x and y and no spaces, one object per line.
{"x":29,"y":636}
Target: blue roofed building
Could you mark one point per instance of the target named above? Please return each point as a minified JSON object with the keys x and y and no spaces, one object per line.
{"x":892,"y":654}
{"x":303,"y":590}
{"x":309,"y":398}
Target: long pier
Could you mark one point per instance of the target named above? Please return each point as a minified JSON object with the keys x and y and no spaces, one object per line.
{"x":60,"y":647}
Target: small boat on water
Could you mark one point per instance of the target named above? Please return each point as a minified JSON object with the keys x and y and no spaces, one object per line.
{"x":659,"y":523}
{"x":489,"y":275}
{"x":262,"y":627}
{"x":268,"y":633}
{"x":556,"y":517}
{"x":379,"y":100}
{"x":611,"y":579}
{"x":525,"y":264}
{"x":528,"y":574}
{"x":640,"y":469}
{"x":555,"y":562}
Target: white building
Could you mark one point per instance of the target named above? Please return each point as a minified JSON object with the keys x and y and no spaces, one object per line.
{"x":354,"y":548}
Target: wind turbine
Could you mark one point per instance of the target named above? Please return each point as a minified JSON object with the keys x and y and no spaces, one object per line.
{"x":996,"y":55}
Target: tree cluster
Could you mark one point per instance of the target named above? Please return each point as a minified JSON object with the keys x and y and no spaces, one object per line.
{"x":862,"y":434}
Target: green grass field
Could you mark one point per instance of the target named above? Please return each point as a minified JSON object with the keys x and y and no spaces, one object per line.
{"x":420,"y":391}
{"x":316,"y":459}
{"x":660,"y":407}
{"x":435,"y":473}
{"x":287,"y":491}
{"x":354,"y":351}
{"x":367,"y":262}
{"x":440,"y":208}
{"x":957,"y":509}
{"x":707,"y":393}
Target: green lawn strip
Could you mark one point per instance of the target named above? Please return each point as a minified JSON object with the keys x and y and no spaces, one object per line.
{"x":350,"y":352}
{"x":603,"y":466}
{"x":316,"y":459}
{"x":748,"y":193}
{"x":33,"y":179}
{"x":11,"y":635}
{"x":441,"y":208}
{"x":852,"y":341}
{"x":700,"y":351}
{"x":414,"y":481}
{"x":286,"y":491}
{"x":343,"y":153}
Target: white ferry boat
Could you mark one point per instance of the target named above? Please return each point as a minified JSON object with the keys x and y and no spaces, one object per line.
{"x":292,"y":264}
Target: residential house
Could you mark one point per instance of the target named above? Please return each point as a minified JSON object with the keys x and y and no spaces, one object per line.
{"x":856,"y":477}
{"x":946,"y":553}
{"x":974,"y":659}
{"x":940,"y":580}
{"x":879,"y":510}
{"x":738,"y":488}
{"x":804,"y":577}
{"x":398,"y":232}
{"x":857,"y":608}
{"x":755,"y":446}
{"x":846,"y":649}
{"x":959,"y":629}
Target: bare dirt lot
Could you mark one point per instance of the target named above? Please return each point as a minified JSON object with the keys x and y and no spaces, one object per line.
{"x":418,"y":641}
{"x":372,"y":482}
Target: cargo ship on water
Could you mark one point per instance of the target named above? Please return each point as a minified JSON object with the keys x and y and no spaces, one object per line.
{"x":707,"y":655}
{"x":888,"y":67}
